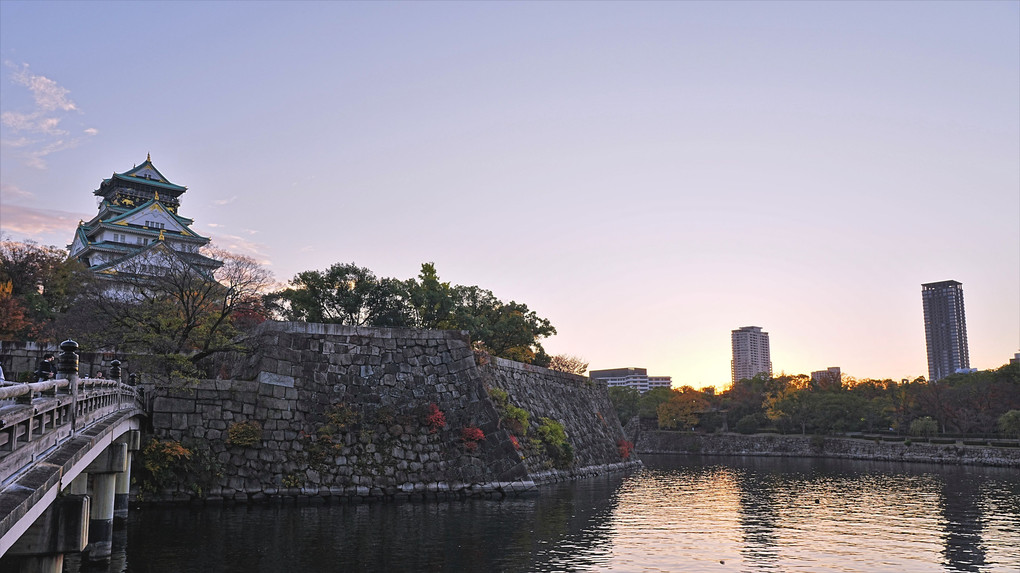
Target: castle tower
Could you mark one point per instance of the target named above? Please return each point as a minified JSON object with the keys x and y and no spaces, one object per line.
{"x":138,"y":230}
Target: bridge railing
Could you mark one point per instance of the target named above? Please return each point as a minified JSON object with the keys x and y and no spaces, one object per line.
{"x":35,"y":417}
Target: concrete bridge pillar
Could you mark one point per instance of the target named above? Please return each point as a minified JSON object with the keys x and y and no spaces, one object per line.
{"x":103,"y":473}
{"x":62,"y":528}
{"x":133,"y":441}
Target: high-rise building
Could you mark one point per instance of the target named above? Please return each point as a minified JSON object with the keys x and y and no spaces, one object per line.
{"x":751,"y":354}
{"x":945,"y":329}
{"x":636,"y":378}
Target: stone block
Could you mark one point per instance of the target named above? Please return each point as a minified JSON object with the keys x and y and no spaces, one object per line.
{"x":160,"y":420}
{"x":179,"y":421}
{"x":275,"y":379}
{"x":165,"y":404}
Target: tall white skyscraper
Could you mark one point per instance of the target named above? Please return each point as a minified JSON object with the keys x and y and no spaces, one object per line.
{"x":751,"y":354}
{"x":945,"y":328}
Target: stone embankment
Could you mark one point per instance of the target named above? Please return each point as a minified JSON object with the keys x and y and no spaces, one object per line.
{"x":663,"y":442}
{"x":328,"y":411}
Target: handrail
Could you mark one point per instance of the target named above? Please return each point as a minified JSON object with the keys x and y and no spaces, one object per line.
{"x":20,"y":389}
{"x":15,"y":390}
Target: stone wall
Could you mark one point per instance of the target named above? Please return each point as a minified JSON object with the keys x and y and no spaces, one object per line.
{"x":663,"y":442}
{"x":19,"y":359}
{"x":345,"y":411}
{"x":580,"y":404}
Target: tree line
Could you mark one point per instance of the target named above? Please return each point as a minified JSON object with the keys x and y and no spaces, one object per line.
{"x":178,"y":320}
{"x":984,"y":402}
{"x":348,"y":294}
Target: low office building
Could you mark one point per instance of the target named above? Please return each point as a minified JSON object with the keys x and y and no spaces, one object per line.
{"x":636,"y":378}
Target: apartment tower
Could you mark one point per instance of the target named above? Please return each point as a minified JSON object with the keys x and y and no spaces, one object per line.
{"x":750,"y":353}
{"x":945,"y":328}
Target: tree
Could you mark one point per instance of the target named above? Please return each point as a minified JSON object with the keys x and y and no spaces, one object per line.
{"x":926,"y":426}
{"x":506,"y":329}
{"x":745,"y":399}
{"x":348,"y":294}
{"x":648,"y":403}
{"x":343,"y":294}
{"x":682,"y":409}
{"x":14,"y":321}
{"x":1009,"y":423}
{"x":37,"y":283}
{"x":625,"y":400}
{"x":179,"y":315}
{"x":569,"y":364}
{"x":431,"y":302}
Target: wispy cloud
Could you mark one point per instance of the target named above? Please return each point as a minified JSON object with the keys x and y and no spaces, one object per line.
{"x":238,"y":244}
{"x":225,"y":201}
{"x":49,"y":96}
{"x":33,"y":134}
{"x":14,"y":193}
{"x":35,"y":222}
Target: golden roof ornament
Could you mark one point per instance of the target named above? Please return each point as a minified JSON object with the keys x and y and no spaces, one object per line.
{"x":148,"y":157}
{"x":156,"y":198}
{"x":161,"y":238}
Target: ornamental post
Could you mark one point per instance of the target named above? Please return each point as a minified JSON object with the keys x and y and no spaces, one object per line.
{"x":67,"y":365}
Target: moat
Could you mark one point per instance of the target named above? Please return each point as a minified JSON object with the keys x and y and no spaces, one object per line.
{"x":678,"y":513}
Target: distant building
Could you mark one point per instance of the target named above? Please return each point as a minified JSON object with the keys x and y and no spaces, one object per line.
{"x":945,"y":329}
{"x":138,"y":231}
{"x":751,"y":355}
{"x":829,"y":378}
{"x":636,"y":378}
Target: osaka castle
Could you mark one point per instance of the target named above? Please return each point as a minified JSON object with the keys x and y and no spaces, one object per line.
{"x":138,"y":231}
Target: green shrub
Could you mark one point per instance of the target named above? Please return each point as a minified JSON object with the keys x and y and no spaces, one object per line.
{"x":169,"y":464}
{"x":499,"y":396}
{"x":244,"y":434}
{"x":747,"y":425}
{"x":514,"y":418}
{"x":554,"y":438}
{"x":1009,"y":424}
{"x":926,"y":426}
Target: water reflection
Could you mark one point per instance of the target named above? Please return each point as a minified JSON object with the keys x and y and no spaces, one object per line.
{"x":562,"y":529}
{"x":963,"y":519}
{"x":759,"y":516}
{"x":678,"y":514}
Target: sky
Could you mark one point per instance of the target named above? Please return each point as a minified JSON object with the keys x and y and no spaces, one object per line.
{"x":647,"y":176}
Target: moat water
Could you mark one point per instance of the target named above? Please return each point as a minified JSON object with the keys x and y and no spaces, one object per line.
{"x":678,"y":513}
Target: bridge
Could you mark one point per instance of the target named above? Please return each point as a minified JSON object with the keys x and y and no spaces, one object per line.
{"x":65,"y":460}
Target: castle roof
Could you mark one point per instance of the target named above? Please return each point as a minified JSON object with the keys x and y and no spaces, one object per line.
{"x":197,"y":262}
{"x":145,"y":174}
{"x":155,"y":205}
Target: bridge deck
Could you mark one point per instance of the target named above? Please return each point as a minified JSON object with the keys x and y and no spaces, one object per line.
{"x":43,"y":453}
